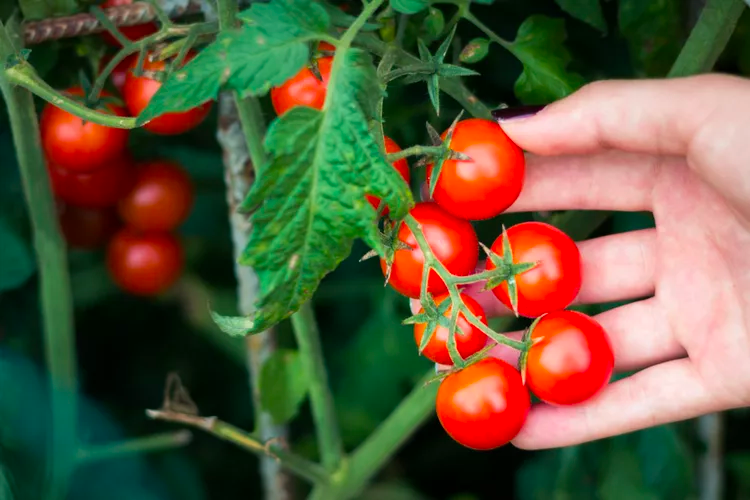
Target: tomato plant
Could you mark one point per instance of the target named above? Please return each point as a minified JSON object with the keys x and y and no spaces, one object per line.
{"x":144,"y":263}
{"x":138,"y":91}
{"x":303,"y":89}
{"x":486,"y":185}
{"x":78,"y":145}
{"x":554,"y":282}
{"x":469,"y":338}
{"x":483,"y":406}
{"x":453,"y":241}
{"x":98,"y":188}
{"x":401,"y":165}
{"x":160,"y":198}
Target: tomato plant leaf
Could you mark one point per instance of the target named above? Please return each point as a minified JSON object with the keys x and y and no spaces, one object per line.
{"x":588,"y":11}
{"x":236,"y":326}
{"x":309,"y":198}
{"x":283,"y":385}
{"x":16,"y":260}
{"x":267,"y":50}
{"x":539,"y":47}
{"x":409,"y":6}
{"x":655,"y":33}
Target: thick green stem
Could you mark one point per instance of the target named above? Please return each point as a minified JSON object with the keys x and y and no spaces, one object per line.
{"x":148,"y":444}
{"x":708,"y":38}
{"x":321,"y":400}
{"x":54,"y":280}
{"x":253,"y":126}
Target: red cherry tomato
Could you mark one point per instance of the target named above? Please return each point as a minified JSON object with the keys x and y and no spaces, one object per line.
{"x":469,"y":338}
{"x":138,"y":91}
{"x":144,"y":263}
{"x":160,"y":199}
{"x":572,"y":359}
{"x":483,"y":406}
{"x":401,"y":165}
{"x":87,"y":228}
{"x":453,"y":241}
{"x":133,"y":33}
{"x":96,"y":189}
{"x":75,"y":144}
{"x":325,"y":46}
{"x":120,"y":72}
{"x":554,"y":282}
{"x":490,"y":182}
{"x":303,"y":89}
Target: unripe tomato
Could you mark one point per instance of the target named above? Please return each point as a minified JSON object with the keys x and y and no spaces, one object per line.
{"x":160,"y":199}
{"x":99,"y":188}
{"x":132,"y":33}
{"x":138,"y":91}
{"x":572,"y":359}
{"x":490,"y":182}
{"x":401,"y":165}
{"x":303,"y":89}
{"x":483,"y":406}
{"x":453,"y":241}
{"x":469,"y":338}
{"x":77,"y":145}
{"x":87,"y":228}
{"x":554,"y":282}
{"x":144,"y":263}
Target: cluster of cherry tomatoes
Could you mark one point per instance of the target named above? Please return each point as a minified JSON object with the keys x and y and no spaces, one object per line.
{"x":104,"y":196}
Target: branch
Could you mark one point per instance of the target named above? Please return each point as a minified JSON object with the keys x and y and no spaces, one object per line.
{"x":157,"y":442}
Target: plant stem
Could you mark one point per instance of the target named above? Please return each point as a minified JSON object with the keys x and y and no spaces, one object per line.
{"x":486,"y":30}
{"x":321,"y":400}
{"x":415,"y":151}
{"x":157,"y":442}
{"x":56,"y":300}
{"x":227,"y":432}
{"x":708,"y":38}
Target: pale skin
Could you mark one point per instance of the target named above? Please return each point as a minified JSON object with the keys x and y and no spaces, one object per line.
{"x":680,"y":149}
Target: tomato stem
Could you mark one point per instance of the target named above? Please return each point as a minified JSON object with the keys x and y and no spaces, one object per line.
{"x":415,"y":151}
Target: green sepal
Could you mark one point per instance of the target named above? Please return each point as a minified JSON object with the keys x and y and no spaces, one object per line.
{"x":506,"y":270}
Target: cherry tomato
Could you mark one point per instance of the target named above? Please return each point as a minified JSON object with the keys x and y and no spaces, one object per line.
{"x":572,"y":359}
{"x":303,"y":89}
{"x":133,"y":33}
{"x":138,"y":91}
{"x":120,"y":72}
{"x":453,"y":241}
{"x":554,"y":282}
{"x":469,"y":338}
{"x":490,"y":182}
{"x":325,"y":46}
{"x":72,"y":143}
{"x":401,"y":165}
{"x":96,"y":189}
{"x":484,"y":405}
{"x":144,"y":263}
{"x":87,"y":228}
{"x":160,"y":199}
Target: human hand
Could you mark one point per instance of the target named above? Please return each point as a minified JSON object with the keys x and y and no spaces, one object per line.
{"x":678,"y":148}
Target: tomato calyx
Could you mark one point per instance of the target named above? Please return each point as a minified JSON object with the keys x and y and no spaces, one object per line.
{"x":505,"y":270}
{"x":434,"y":316}
{"x":441,"y":373}
{"x":391,"y":243}
{"x":528,"y":343}
{"x":446,"y":153}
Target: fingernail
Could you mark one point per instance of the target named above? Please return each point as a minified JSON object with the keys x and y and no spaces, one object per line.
{"x":516,"y":113}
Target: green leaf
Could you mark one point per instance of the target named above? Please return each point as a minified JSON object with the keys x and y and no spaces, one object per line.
{"x":16,"y":260}
{"x":655,"y":31}
{"x":310,"y":195}
{"x":588,"y":11}
{"x":539,"y":46}
{"x":433,"y":23}
{"x":283,"y":385}
{"x":236,"y":326}
{"x":40,"y":9}
{"x":267,"y":51}
{"x":409,"y":6}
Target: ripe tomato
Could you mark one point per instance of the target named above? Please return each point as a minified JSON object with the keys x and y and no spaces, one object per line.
{"x":87,"y":228}
{"x":120,"y":72}
{"x":325,"y":46}
{"x":138,"y":91}
{"x":132,"y":33}
{"x":490,"y":182}
{"x":99,"y":188}
{"x":483,"y":406}
{"x":160,"y":199}
{"x":453,"y":241}
{"x":144,"y":263}
{"x":554,"y":282}
{"x":401,"y":165}
{"x":303,"y":89}
{"x":72,"y":143}
{"x":572,"y":360}
{"x":469,"y":338}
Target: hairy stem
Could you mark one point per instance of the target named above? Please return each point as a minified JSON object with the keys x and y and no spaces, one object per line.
{"x":54,"y":280}
{"x":415,"y":151}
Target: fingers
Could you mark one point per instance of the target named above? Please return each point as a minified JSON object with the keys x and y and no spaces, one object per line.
{"x":646,"y":116}
{"x":611,"y":180}
{"x":664,"y":393}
